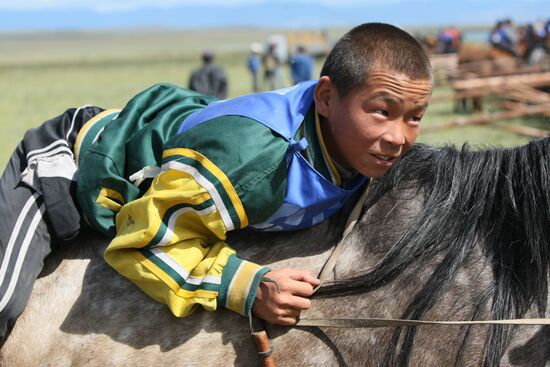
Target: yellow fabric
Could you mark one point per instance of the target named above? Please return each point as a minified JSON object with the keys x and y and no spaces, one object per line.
{"x":106,"y":196}
{"x":240,"y":287}
{"x":206,"y":163}
{"x":194,"y":241}
{"x":328,"y":159}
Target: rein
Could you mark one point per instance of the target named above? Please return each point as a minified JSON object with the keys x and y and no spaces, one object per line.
{"x":366,"y":322}
{"x":262,"y":341}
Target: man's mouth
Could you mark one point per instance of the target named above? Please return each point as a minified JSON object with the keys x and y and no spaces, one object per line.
{"x":385,"y":158}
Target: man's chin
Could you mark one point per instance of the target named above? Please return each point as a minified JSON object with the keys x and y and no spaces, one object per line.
{"x":374,"y":173}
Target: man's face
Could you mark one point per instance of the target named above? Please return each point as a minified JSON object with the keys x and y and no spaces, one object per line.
{"x":372,"y":126}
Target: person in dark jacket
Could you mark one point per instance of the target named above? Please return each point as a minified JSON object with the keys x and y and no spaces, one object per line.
{"x":210,"y":79}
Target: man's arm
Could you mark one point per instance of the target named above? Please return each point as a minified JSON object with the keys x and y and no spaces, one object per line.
{"x":170,"y":242}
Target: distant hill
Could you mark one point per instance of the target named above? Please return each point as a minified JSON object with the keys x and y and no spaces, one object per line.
{"x":143,"y":43}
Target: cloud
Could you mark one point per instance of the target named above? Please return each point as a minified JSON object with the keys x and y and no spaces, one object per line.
{"x":125,"y":5}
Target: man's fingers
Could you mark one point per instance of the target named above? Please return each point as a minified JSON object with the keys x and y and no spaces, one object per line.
{"x":305,"y":276}
{"x":287,"y":317}
{"x":300,"y":288}
{"x":299,"y":303}
{"x":285,"y":321}
{"x":283,"y":306}
{"x":289,"y":312}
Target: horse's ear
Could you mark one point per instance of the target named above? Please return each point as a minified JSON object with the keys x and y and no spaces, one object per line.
{"x":322,"y":95}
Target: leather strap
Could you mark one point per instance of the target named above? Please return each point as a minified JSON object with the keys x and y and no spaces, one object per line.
{"x":376,"y":323}
{"x":352,"y":220}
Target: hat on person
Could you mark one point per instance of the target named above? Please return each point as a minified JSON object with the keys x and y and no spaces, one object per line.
{"x":256,"y":47}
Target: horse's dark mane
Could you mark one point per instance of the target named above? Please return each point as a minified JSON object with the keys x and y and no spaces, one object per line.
{"x":494,"y":198}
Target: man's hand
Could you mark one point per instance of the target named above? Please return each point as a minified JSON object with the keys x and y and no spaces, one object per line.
{"x":283,"y":308}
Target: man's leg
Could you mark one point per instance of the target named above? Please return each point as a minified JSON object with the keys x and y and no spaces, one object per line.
{"x":36,"y":207}
{"x":24,"y":241}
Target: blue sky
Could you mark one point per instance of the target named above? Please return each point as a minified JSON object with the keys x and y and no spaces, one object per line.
{"x":108,"y":14}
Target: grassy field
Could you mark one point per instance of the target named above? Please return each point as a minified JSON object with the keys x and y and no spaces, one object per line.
{"x":42,"y":74}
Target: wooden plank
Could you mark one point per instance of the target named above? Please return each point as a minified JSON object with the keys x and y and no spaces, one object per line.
{"x":479,"y":65}
{"x":521,"y":93}
{"x":491,"y":68}
{"x":446,"y":60}
{"x":525,"y":93}
{"x":487,"y":118}
{"x":512,"y":105}
{"x":533,"y":79}
{"x":474,"y":92}
{"x":526,"y":130}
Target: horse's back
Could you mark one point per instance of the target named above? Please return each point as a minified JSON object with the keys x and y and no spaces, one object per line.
{"x":81,"y":312}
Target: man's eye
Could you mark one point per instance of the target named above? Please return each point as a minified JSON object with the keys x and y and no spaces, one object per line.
{"x":382,"y":112}
{"x":415,"y":121}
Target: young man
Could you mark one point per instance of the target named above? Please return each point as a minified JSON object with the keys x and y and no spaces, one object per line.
{"x":170,"y":174}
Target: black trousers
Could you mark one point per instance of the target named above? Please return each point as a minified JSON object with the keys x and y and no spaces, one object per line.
{"x":37,"y":206}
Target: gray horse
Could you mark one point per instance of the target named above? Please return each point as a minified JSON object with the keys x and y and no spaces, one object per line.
{"x":447,"y":234}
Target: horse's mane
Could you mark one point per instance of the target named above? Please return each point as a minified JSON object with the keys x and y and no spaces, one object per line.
{"x":495,"y":198}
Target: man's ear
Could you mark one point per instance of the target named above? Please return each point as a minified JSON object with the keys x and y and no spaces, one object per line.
{"x":322,"y":95}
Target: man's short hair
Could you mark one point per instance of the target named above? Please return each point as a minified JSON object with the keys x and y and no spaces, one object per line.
{"x":374,"y":45}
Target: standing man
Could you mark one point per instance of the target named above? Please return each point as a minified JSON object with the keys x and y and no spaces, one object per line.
{"x":210,"y":79}
{"x":253,"y":63}
{"x":272,"y":68}
{"x":301,"y":66}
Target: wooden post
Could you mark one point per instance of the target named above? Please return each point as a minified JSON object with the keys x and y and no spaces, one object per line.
{"x":488,"y":118}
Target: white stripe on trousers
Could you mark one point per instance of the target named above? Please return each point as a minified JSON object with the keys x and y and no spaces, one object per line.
{"x":22,"y":252}
{"x":74,"y":119}
{"x":45,"y":149}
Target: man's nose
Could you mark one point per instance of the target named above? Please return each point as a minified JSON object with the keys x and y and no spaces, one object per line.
{"x":394,"y":134}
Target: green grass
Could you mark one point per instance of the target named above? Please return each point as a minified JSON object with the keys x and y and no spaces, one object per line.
{"x":43,"y":74}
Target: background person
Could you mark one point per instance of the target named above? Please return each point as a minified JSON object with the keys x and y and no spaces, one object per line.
{"x":254,"y":63}
{"x":535,"y":38}
{"x":449,"y":40}
{"x":503,"y":37}
{"x":301,"y":65}
{"x":209,"y":79}
{"x":272,"y":68}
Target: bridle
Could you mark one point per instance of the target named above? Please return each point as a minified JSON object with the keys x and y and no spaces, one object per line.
{"x":261,"y":338}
